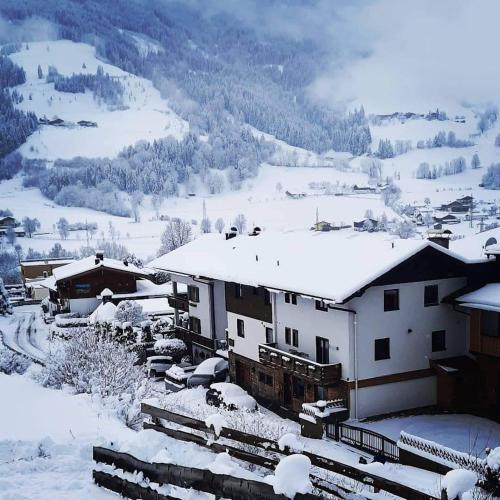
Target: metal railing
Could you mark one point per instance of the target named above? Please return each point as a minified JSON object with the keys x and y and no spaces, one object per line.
{"x":364,"y":439}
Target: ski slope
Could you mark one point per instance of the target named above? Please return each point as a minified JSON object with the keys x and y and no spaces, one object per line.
{"x":146,"y":115}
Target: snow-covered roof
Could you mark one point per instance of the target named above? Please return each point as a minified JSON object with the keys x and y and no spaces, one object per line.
{"x":327,"y":265}
{"x":89,"y":263}
{"x":106,"y":293}
{"x":49,"y":283}
{"x":156,"y":306}
{"x":41,"y":262}
{"x":104,"y":312}
{"x":486,"y":297}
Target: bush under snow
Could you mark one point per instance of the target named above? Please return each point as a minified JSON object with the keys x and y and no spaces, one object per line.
{"x":290,"y":441}
{"x":456,"y":482}
{"x":11,"y":362}
{"x":129,"y":311}
{"x":291,"y":476}
{"x":170,"y":347}
{"x":92,"y":363}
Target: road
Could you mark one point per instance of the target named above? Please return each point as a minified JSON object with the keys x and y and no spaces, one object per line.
{"x":21,"y":333}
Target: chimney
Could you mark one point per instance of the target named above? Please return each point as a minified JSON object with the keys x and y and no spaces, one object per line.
{"x":256,"y":231}
{"x":99,"y":255}
{"x":125,"y":262}
{"x":440,"y":237}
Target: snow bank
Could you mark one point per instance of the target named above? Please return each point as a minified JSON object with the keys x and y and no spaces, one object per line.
{"x":176,"y":373}
{"x":291,"y":476}
{"x":458,"y":481}
{"x":216,"y":421}
{"x":105,"y":313}
{"x":145,"y":445}
{"x":224,"y":464}
{"x":290,"y":441}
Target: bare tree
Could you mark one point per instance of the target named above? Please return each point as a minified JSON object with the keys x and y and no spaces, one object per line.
{"x":156,"y":202}
{"x":206,"y":225}
{"x":135,"y":202}
{"x":63,"y":228}
{"x":30,"y":226}
{"x":219,"y":225}
{"x":177,"y":233}
{"x":240,"y":223}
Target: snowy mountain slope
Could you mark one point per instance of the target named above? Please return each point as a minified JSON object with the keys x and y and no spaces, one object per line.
{"x":147,"y":116}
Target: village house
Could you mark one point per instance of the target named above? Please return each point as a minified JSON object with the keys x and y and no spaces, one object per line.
{"x":321,"y":318}
{"x":77,"y":287}
{"x":457,"y":206}
{"x":447,"y":219}
{"x":366,"y":224}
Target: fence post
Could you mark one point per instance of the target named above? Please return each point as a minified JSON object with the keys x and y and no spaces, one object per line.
{"x":337,"y":431}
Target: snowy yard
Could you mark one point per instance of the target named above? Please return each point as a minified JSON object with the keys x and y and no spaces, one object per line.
{"x":46,"y":439}
{"x":465,"y":433}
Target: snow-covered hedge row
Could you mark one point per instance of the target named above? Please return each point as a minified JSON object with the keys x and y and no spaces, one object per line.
{"x":11,"y":362}
{"x":67,"y":320}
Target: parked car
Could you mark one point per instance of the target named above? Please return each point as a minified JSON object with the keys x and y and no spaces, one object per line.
{"x":176,"y":376}
{"x":230,"y":396}
{"x":156,"y":366}
{"x":209,"y":371}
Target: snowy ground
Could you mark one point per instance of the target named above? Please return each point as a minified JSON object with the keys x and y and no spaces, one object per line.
{"x":147,"y":116}
{"x":465,"y":433}
{"x":46,"y":439}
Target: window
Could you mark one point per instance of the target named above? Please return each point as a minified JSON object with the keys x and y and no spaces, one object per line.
{"x":291,"y":298}
{"x":269,"y":335}
{"x":267,"y":297}
{"x":382,"y":349}
{"x":439,"y":341}
{"x":240,"y":327}
{"x":490,"y":324}
{"x":321,"y":306}
{"x":431,"y":295}
{"x":193,"y":293}
{"x":288,"y":335}
{"x":391,"y":300}
{"x":194,"y":324}
{"x":295,"y":338}
{"x":297,"y":388}
{"x":322,"y":350}
{"x":320,"y":393}
{"x":266,"y":379}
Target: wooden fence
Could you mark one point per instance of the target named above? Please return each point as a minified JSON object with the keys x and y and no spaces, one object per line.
{"x":270,"y":446}
{"x":220,"y":485}
{"x":364,"y":439}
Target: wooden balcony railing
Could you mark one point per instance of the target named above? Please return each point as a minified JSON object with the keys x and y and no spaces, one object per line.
{"x":192,"y":337}
{"x":300,"y":366}
{"x":180,"y":302}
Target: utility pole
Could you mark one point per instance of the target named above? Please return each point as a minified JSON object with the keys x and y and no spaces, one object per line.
{"x":471,"y":210}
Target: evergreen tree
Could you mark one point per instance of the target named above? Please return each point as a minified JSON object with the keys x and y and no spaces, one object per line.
{"x":5,"y":307}
{"x":40,"y":72}
{"x":475,"y":162}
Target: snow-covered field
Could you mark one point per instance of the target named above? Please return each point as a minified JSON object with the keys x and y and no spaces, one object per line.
{"x":147,"y":116}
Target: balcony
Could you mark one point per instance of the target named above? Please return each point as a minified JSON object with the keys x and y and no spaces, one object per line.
{"x":179,"y":302}
{"x":189,"y":336}
{"x":299,"y":365}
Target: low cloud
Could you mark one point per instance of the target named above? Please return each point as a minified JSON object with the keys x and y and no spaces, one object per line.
{"x":32,"y":29}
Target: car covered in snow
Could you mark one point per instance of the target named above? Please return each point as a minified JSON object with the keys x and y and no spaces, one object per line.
{"x":209,"y":371}
{"x":230,"y":396}
{"x":156,"y":366}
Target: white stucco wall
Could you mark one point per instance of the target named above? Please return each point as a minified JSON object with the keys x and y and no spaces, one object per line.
{"x":409,"y":350}
{"x":398,"y":396}
{"x":311,"y":323}
{"x":255,"y":334}
{"x":220,"y":309}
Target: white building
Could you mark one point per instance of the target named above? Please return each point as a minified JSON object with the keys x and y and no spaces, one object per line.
{"x":320,"y":315}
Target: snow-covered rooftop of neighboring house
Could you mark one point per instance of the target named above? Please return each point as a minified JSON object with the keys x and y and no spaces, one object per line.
{"x":486,"y":297}
{"x":473,"y":246}
{"x":41,"y":262}
{"x":153,"y":307}
{"x":89,"y":263}
{"x":49,"y":283}
{"x":327,"y":265}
